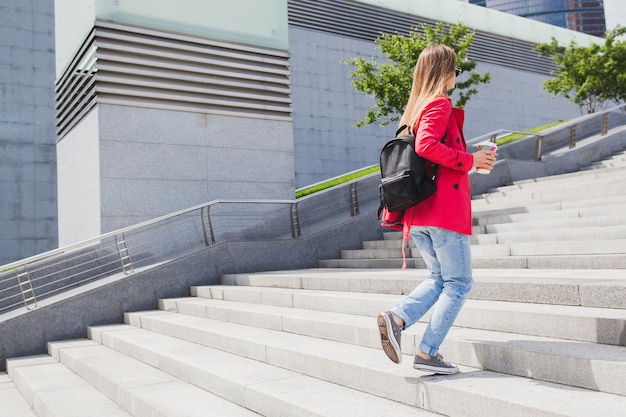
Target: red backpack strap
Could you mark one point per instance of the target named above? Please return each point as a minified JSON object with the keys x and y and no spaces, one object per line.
{"x":405,"y":238}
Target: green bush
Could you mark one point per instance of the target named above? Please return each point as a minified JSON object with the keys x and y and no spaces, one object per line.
{"x":517,"y":136}
{"x":376,"y":168}
{"x":336,"y":181}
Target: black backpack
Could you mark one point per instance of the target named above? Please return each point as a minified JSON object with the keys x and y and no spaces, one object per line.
{"x":404,"y":181}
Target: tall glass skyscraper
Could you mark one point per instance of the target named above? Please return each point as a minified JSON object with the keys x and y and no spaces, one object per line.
{"x":581,"y":15}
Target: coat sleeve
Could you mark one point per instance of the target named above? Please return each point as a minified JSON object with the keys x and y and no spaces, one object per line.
{"x":429,"y":131}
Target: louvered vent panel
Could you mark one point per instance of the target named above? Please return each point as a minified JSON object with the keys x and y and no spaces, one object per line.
{"x":125,"y":65}
{"x":362,"y":21}
{"x":76,"y":89}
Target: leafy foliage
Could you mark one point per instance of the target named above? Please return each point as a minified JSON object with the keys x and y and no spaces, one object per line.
{"x":588,"y":76}
{"x":390,"y":83}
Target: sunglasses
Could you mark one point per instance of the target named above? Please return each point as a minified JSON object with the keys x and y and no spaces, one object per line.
{"x":458,"y":71}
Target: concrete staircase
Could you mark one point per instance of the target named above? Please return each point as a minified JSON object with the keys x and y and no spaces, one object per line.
{"x":305,"y":343}
{"x":543,"y":333}
{"x":575,"y":220}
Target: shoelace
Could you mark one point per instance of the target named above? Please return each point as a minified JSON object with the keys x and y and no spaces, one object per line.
{"x":439,"y":357}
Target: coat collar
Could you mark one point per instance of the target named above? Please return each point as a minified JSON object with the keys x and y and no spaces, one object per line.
{"x":459,"y":116}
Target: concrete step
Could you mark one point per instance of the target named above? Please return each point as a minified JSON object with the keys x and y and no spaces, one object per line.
{"x":238,"y":304}
{"x":503,"y":207}
{"x":524,"y":232}
{"x":578,"y":234}
{"x":572,"y":186}
{"x":491,"y":262}
{"x":13,"y":402}
{"x":513,"y":243}
{"x":550,"y":196}
{"x":53,"y":390}
{"x":552,"y":213}
{"x":554,"y":224}
{"x":287,"y":361}
{"x":616,"y":161}
{"x":528,"y":356}
{"x":549,"y":247}
{"x":570,"y":180}
{"x":141,"y":389}
{"x":391,"y":263}
{"x":574,"y":287}
{"x":271,"y":379}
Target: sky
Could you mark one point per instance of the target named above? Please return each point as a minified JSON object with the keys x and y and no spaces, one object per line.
{"x":614,"y":13}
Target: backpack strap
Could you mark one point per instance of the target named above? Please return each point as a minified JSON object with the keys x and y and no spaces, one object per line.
{"x":401,"y":128}
{"x":405,"y":227}
{"x":410,"y":131}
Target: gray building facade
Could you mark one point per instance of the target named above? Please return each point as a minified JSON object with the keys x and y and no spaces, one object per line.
{"x":28,"y":185}
{"x":323,"y":34}
{"x":162,"y":109}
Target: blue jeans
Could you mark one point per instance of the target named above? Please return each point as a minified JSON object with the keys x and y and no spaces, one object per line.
{"x":448,"y":257}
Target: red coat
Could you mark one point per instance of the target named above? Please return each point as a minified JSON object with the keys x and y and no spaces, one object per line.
{"x":450,"y":205}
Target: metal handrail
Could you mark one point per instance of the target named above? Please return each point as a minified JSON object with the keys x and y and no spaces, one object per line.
{"x":24,"y":282}
{"x":573,"y":127}
{"x":134,"y":227}
{"x":123,"y":251}
{"x":492,"y":136}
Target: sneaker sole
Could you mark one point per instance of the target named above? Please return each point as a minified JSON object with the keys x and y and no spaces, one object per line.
{"x":389,"y":345}
{"x":434,"y":369}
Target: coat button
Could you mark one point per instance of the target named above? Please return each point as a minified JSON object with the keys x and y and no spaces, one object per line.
{"x":458,"y":140}
{"x":456,"y":186}
{"x":460,"y":164}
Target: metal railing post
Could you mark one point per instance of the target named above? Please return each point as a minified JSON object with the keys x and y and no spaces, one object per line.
{"x":204,"y":225}
{"x":538,"y":147}
{"x":295,"y":221}
{"x":572,"y":137}
{"x":26,"y":288}
{"x":124,"y":254}
{"x":354,"y":199}
{"x":605,"y":124}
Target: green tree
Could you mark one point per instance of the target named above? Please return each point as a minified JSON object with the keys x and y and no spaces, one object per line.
{"x":390,"y":83}
{"x":589,"y":76}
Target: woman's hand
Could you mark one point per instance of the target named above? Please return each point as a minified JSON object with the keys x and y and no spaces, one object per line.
{"x":484,"y":159}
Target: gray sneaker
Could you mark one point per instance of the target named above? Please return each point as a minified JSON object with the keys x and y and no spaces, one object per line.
{"x":390,"y":333}
{"x":435,"y":364}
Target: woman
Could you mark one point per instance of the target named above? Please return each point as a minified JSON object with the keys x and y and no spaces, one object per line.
{"x":442,"y":224}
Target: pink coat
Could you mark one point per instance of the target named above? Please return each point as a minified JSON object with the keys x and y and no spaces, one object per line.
{"x":450,"y":205}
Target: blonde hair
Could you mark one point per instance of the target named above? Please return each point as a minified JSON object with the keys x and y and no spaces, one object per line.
{"x":435,"y":65}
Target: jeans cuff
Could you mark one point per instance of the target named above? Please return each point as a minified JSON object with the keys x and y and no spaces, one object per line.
{"x":428,"y":350}
{"x":403,"y":316}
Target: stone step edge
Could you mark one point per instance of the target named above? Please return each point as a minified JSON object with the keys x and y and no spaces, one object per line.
{"x":549,"y":213}
{"x":487,"y":207}
{"x":563,"y":262}
{"x":556,"y":320}
{"x":388,"y":380}
{"x":481,"y":349}
{"x":237,"y":377}
{"x":540,"y":208}
{"x":616,"y":246}
{"x":558,"y":235}
{"x":14,"y":404}
{"x":585,"y":178}
{"x":66,"y":395}
{"x":513,"y":286}
{"x":559,"y":187}
{"x":606,"y":171}
{"x":151,"y":390}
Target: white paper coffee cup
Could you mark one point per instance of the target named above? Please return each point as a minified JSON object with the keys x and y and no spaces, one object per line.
{"x":490,"y":146}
